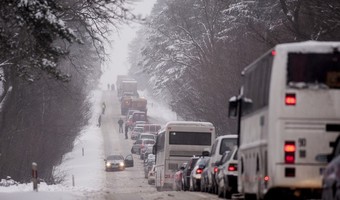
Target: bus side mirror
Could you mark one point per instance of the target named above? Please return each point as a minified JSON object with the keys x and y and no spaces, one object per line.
{"x":232,"y":113}
{"x":247,"y":105}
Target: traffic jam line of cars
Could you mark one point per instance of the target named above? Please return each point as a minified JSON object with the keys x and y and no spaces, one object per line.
{"x":213,"y":172}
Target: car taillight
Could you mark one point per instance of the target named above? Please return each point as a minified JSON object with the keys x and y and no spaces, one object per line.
{"x":232,"y":167}
{"x":289,"y":150}
{"x":290,"y":99}
{"x":199,"y":171}
{"x":215,"y":169}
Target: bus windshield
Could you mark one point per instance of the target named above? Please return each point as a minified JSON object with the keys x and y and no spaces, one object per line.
{"x":313,"y":70}
{"x":190,"y":138}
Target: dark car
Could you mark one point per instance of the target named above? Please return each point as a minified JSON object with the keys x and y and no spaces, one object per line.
{"x":226,"y":176}
{"x":331,"y":180}
{"x":196,"y":173}
{"x":118,"y":162}
{"x":178,"y":177}
{"x":187,"y":171}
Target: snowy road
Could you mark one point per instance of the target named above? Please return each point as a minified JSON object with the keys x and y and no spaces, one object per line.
{"x":131,"y":184}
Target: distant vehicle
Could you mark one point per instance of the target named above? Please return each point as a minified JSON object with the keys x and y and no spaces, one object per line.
{"x":152,"y":128}
{"x":136,"y":116}
{"x":221,"y":144}
{"x":148,"y":163}
{"x":290,"y":120}
{"x":175,"y":144}
{"x":151,"y":175}
{"x":142,"y":136}
{"x":178,"y":177}
{"x":145,"y":151}
{"x":128,"y":87}
{"x":227,"y":174}
{"x":140,"y":104}
{"x":135,"y":132}
{"x":125,"y":104}
{"x":331,"y":180}
{"x":129,"y":112}
{"x":125,"y":87}
{"x":118,"y":162}
{"x":140,"y":144}
{"x":187,"y":172}
{"x":196,"y":173}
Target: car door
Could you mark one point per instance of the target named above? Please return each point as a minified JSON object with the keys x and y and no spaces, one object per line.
{"x":128,"y":161}
{"x":136,"y":146}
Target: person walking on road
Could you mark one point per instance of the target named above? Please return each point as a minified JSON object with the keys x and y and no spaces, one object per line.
{"x":99,"y":120}
{"x":126,"y":133}
{"x":103,"y":108}
{"x":120,"y":122}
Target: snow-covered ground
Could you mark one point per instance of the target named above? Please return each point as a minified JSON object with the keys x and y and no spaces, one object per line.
{"x":84,"y":163}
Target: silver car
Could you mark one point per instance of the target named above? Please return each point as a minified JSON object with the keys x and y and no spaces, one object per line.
{"x":114,"y":162}
{"x":136,"y":147}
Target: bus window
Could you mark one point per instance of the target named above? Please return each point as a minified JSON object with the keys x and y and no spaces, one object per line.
{"x":187,"y":138}
{"x":313,"y":69}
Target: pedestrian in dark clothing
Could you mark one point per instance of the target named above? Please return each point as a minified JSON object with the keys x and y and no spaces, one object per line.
{"x":126,"y":132}
{"x":103,"y":108}
{"x":99,"y":120}
{"x":120,"y":122}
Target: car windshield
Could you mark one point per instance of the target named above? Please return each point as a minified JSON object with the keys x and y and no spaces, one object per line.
{"x":115,"y":157}
{"x":138,"y":129}
{"x":149,"y":142}
{"x":147,"y":137}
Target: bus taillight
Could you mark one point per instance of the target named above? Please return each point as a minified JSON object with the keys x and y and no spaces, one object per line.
{"x":273,"y":53}
{"x":289,"y":150}
{"x":290,"y":99}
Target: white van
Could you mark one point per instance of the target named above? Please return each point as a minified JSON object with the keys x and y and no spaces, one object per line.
{"x":221,"y":144}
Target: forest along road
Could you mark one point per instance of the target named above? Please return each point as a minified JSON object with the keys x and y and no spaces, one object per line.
{"x":130,"y":184}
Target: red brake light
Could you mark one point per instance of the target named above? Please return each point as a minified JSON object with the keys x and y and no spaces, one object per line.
{"x":199,"y":171}
{"x":232,"y":167}
{"x":273,"y":53}
{"x":289,"y":151}
{"x":290,"y":99}
{"x":215,"y":169}
{"x":266,"y":178}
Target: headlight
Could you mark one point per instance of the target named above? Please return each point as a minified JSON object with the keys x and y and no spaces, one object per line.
{"x":108,"y":164}
{"x":121,"y":164}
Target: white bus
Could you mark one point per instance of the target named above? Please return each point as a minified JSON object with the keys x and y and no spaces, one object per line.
{"x":290,"y":120}
{"x":175,"y":144}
